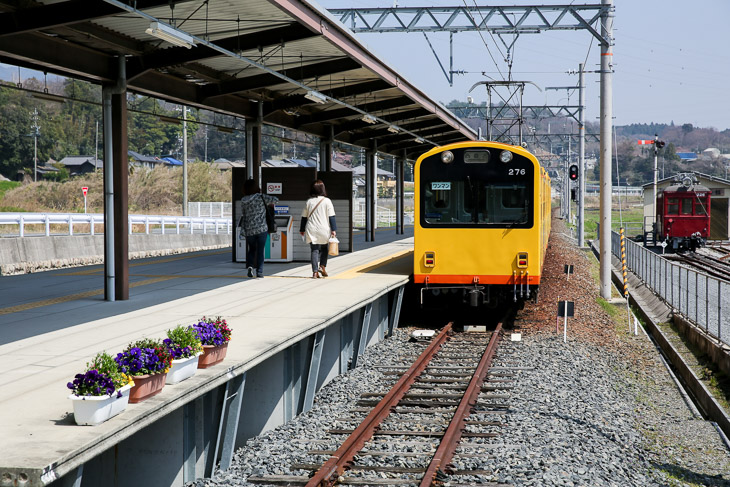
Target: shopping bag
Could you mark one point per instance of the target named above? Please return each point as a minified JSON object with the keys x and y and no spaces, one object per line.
{"x":333,"y":247}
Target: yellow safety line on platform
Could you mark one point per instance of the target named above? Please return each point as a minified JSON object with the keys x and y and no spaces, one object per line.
{"x":72,"y":297}
{"x":370,"y":266}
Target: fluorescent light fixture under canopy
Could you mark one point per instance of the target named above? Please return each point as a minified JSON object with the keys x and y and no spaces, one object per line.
{"x":393,"y":129}
{"x":170,"y":34}
{"x":368,"y":119}
{"x":316,"y":97}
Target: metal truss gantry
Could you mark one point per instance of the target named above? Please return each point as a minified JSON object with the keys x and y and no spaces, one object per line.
{"x":499,"y":20}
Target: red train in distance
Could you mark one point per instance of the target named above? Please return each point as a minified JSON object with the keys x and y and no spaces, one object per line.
{"x":683,"y":214}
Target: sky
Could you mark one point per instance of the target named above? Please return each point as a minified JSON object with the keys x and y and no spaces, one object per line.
{"x":671,"y":60}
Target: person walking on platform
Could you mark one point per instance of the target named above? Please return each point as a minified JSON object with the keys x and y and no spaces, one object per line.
{"x":317,"y":226}
{"x":253,"y":208}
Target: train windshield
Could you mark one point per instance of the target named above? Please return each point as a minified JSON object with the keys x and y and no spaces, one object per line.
{"x":483,"y":195}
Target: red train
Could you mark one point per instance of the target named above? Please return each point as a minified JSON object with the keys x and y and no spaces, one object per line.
{"x":683,"y":214}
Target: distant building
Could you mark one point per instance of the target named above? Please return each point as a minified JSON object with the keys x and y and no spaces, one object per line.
{"x":687,"y":156}
{"x":223,"y":164}
{"x":386,"y":181}
{"x":171,"y":161}
{"x":81,"y":164}
{"x":138,"y":160}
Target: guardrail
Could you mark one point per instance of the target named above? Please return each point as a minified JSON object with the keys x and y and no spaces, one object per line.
{"x":698,"y":296}
{"x":159,"y":224}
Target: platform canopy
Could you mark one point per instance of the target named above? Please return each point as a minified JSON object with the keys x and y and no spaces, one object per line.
{"x":286,"y":62}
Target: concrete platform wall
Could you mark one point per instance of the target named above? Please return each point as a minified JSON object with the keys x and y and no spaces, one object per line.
{"x":182,"y":445}
{"x":21,"y":255}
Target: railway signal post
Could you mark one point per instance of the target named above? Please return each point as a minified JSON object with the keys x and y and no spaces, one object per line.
{"x":658,"y":144}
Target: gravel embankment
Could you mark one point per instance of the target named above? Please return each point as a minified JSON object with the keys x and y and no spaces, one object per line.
{"x":600,"y":410}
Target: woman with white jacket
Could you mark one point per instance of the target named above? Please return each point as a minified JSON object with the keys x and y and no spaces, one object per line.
{"x":317,"y":226}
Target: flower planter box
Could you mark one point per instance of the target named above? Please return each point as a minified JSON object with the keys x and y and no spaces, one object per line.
{"x":146,"y":386}
{"x":212,"y":355}
{"x":182,"y":369}
{"x":93,"y":410}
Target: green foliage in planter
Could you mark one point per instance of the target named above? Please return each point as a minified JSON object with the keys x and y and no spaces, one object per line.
{"x":105,"y":363}
{"x":183,"y":342}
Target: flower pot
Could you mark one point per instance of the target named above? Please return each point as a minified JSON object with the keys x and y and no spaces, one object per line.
{"x":212,"y":355}
{"x":146,"y":386}
{"x":93,"y":410}
{"x":182,"y":368}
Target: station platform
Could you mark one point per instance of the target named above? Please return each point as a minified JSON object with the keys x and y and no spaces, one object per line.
{"x":277,"y":322}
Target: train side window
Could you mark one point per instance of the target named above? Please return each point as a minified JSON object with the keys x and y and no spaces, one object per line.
{"x":673,"y":206}
{"x":686,"y":206}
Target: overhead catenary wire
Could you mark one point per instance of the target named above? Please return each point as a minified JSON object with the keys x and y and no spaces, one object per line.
{"x":484,"y":41}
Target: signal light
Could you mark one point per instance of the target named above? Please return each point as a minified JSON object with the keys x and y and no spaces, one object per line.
{"x":522,"y":260}
{"x":573,"y":172}
{"x":429,"y":259}
{"x":659,"y":144}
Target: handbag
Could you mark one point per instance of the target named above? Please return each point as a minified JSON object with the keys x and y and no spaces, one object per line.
{"x":333,"y":247}
{"x":270,"y":220}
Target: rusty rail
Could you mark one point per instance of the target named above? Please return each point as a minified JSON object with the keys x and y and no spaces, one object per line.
{"x":452,"y":436}
{"x":335,"y":466}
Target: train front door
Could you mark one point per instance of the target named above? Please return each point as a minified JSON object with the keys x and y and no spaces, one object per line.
{"x":718,"y":219}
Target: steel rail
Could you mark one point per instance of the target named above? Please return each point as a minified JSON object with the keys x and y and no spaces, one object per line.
{"x":331,"y":470}
{"x":452,"y":435}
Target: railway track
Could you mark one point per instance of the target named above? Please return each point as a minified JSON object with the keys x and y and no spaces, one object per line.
{"x":719,"y":268}
{"x":445,"y":405}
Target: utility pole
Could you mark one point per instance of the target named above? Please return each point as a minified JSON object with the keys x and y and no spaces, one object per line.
{"x":581,"y":159}
{"x":206,"y":144}
{"x":606,"y":119}
{"x":35,"y":133}
{"x":185,"y":160}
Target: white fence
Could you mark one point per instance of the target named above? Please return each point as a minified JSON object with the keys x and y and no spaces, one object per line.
{"x":215,"y":209}
{"x":385,"y":215}
{"x":158,"y":224}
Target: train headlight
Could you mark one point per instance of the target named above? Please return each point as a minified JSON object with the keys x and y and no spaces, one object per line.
{"x":429,"y":259}
{"x":447,"y":157}
{"x":522,"y":260}
{"x":505,"y":156}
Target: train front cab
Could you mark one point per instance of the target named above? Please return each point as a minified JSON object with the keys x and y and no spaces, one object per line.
{"x":482,"y":221}
{"x":684,"y":215}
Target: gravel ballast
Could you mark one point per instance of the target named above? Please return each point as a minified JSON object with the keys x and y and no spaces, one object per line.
{"x":599,"y":410}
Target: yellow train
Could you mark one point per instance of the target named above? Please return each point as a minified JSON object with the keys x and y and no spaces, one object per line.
{"x":482,"y":222}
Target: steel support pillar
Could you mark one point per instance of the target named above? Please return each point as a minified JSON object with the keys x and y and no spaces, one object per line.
{"x":190,"y":419}
{"x":253,"y":147}
{"x":109,"y":271}
{"x":325,"y":151}
{"x":230,"y":415}
{"x":606,"y":122}
{"x":364,"y":333}
{"x":399,"y":207}
{"x":313,"y":375}
{"x":371,"y":186}
{"x":293,"y":381}
{"x":347,"y":340}
{"x":395,"y":310}
{"x":120,"y":165}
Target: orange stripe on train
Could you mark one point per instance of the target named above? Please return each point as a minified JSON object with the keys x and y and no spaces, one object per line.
{"x":466,"y":279}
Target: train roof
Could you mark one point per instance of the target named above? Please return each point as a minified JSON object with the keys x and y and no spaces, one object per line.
{"x":681,"y":188}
